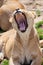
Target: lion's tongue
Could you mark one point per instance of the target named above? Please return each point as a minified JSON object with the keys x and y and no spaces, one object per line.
{"x":22,"y":27}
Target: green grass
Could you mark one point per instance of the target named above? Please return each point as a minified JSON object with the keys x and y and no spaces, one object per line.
{"x":40,"y":33}
{"x":5,"y":62}
{"x":40,"y":36}
{"x":38,"y":13}
{"x":42,"y":63}
{"x":37,"y":25}
{"x":39,"y":30}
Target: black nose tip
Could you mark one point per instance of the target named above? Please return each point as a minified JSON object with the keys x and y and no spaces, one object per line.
{"x":17,"y":10}
{"x":26,"y":63}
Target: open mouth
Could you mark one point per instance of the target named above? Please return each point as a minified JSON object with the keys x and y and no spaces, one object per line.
{"x":21,"y":21}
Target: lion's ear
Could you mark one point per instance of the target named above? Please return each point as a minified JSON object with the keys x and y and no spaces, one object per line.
{"x":34,"y":14}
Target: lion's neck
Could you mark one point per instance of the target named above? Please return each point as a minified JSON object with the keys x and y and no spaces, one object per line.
{"x":25,"y":37}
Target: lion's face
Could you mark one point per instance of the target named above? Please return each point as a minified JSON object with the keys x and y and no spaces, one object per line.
{"x":22,"y":20}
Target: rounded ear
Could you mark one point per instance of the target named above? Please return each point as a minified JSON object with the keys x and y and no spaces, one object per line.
{"x":34,"y":14}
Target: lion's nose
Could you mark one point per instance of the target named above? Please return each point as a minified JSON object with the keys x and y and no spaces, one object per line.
{"x":19,"y":15}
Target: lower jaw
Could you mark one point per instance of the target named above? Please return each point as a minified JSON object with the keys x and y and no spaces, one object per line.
{"x":22,"y":30}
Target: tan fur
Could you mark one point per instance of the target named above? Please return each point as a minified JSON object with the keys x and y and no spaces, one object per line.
{"x":1,"y":2}
{"x":17,"y":45}
{"x":5,"y":12}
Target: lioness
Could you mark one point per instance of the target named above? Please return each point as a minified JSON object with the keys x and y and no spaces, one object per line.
{"x":20,"y":44}
{"x":6,"y":10}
